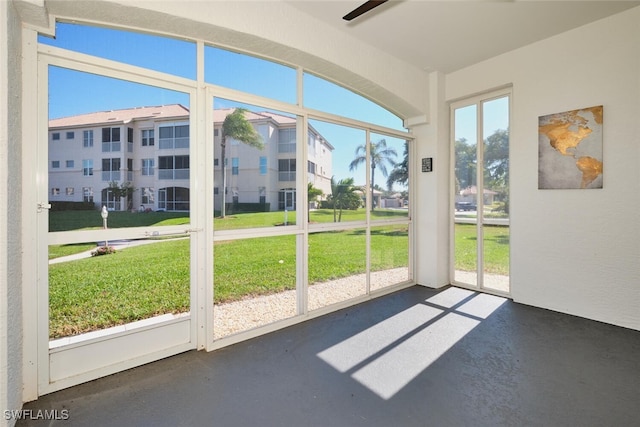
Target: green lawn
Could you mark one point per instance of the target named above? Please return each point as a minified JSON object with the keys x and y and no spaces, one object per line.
{"x":84,"y":220}
{"x":144,"y":281}
{"x":496,"y":248}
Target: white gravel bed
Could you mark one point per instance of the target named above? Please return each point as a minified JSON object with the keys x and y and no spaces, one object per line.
{"x":237,"y":316}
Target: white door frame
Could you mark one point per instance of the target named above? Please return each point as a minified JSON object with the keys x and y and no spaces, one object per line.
{"x":84,"y":358}
{"x":478,"y":101}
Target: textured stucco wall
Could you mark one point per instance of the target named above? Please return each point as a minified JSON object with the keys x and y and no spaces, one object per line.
{"x":10,"y":213}
{"x":574,"y":251}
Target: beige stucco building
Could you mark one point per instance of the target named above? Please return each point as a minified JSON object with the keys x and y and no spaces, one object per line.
{"x":147,"y":148}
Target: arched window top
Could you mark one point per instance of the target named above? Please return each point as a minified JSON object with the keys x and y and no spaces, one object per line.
{"x":223,"y":67}
{"x":158,"y":53}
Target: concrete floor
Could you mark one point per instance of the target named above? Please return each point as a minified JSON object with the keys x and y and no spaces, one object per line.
{"x":418,"y":357}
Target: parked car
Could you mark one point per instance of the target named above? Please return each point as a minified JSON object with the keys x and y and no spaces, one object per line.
{"x":466,"y":206}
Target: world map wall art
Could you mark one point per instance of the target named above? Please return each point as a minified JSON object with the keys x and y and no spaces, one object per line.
{"x":570,"y":149}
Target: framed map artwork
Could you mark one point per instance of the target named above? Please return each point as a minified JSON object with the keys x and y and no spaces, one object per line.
{"x":570,"y":149}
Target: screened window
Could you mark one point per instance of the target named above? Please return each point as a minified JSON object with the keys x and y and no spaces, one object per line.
{"x":173,"y":167}
{"x":110,"y":140}
{"x":69,"y":163}
{"x":87,"y":194}
{"x":172,"y":137}
{"x":141,"y":49}
{"x":87,"y":167}
{"x":111,"y":169}
{"x":147,"y":166}
{"x":55,"y":136}
{"x":148,"y":138}
{"x":71,"y":135}
{"x":147,"y":195}
{"x":287,"y":141}
{"x":55,"y":164}
{"x":87,"y":138}
{"x":286,"y":169}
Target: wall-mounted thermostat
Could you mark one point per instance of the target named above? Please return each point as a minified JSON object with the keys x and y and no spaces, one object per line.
{"x":427,"y":164}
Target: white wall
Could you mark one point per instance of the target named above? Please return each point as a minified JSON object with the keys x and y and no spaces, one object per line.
{"x":574,"y":251}
{"x":10,"y":218}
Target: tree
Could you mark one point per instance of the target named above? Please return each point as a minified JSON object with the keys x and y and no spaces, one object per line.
{"x":496,"y":165}
{"x":123,"y":190}
{"x":400,"y":172}
{"x":236,"y":126}
{"x":465,"y":167}
{"x":312,"y":195}
{"x":343,"y":196}
{"x":380,"y":156}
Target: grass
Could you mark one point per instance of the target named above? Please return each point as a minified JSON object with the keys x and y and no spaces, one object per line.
{"x":496,"y":248}
{"x":87,"y":220}
{"x":144,"y":281}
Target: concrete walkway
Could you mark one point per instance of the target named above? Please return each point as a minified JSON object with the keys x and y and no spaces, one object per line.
{"x":117,"y":244}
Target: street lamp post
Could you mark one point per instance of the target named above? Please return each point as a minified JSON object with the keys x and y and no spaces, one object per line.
{"x":105,"y":214}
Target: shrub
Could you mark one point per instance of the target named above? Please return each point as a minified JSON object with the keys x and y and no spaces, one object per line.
{"x":104,"y":250}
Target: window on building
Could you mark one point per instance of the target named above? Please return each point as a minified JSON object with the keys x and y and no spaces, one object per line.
{"x":174,"y":137}
{"x":235,"y":166}
{"x":71,"y":135}
{"x":55,"y":164}
{"x":87,"y":138}
{"x":216,"y":162}
{"x":110,"y":139}
{"x":147,"y":166}
{"x":70,"y":191}
{"x":69,"y":163}
{"x":55,"y":136}
{"x":311,"y":167}
{"x":111,"y":169}
{"x":263,"y":165}
{"x":286,"y":169}
{"x":173,"y":167}
{"x":55,"y":191}
{"x":173,"y":199}
{"x":130,"y":140}
{"x":87,"y":167}
{"x":147,"y":196}
{"x":87,"y":194}
{"x":216,"y":191}
{"x":129,"y":170}
{"x":287,"y":140}
{"x":148,"y":138}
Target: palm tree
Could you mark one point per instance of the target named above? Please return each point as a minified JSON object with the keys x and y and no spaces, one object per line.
{"x":312,"y":195}
{"x":400,"y":172}
{"x":343,"y":196}
{"x":380,"y":155}
{"x":236,"y":126}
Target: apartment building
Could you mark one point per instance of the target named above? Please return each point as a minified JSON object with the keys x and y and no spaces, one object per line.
{"x":147,"y":149}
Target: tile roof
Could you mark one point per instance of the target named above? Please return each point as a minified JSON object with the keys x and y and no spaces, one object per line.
{"x":122,"y":116}
{"x":171,"y":111}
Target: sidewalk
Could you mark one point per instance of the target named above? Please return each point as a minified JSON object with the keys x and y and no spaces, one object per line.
{"x":117,"y":244}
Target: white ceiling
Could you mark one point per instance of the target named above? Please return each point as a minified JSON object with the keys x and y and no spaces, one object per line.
{"x":449,"y":35}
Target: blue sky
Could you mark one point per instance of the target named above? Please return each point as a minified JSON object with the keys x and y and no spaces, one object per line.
{"x":72,"y":92}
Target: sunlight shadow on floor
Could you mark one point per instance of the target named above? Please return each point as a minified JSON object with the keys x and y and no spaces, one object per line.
{"x":387,"y":356}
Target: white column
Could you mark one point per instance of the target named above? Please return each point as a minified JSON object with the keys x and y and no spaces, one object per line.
{"x":431,"y":190}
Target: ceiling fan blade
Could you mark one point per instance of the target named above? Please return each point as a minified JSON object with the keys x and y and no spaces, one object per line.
{"x":363,"y":8}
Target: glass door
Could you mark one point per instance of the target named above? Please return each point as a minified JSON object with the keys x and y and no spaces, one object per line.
{"x":481,"y":192}
{"x":117,"y":279}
